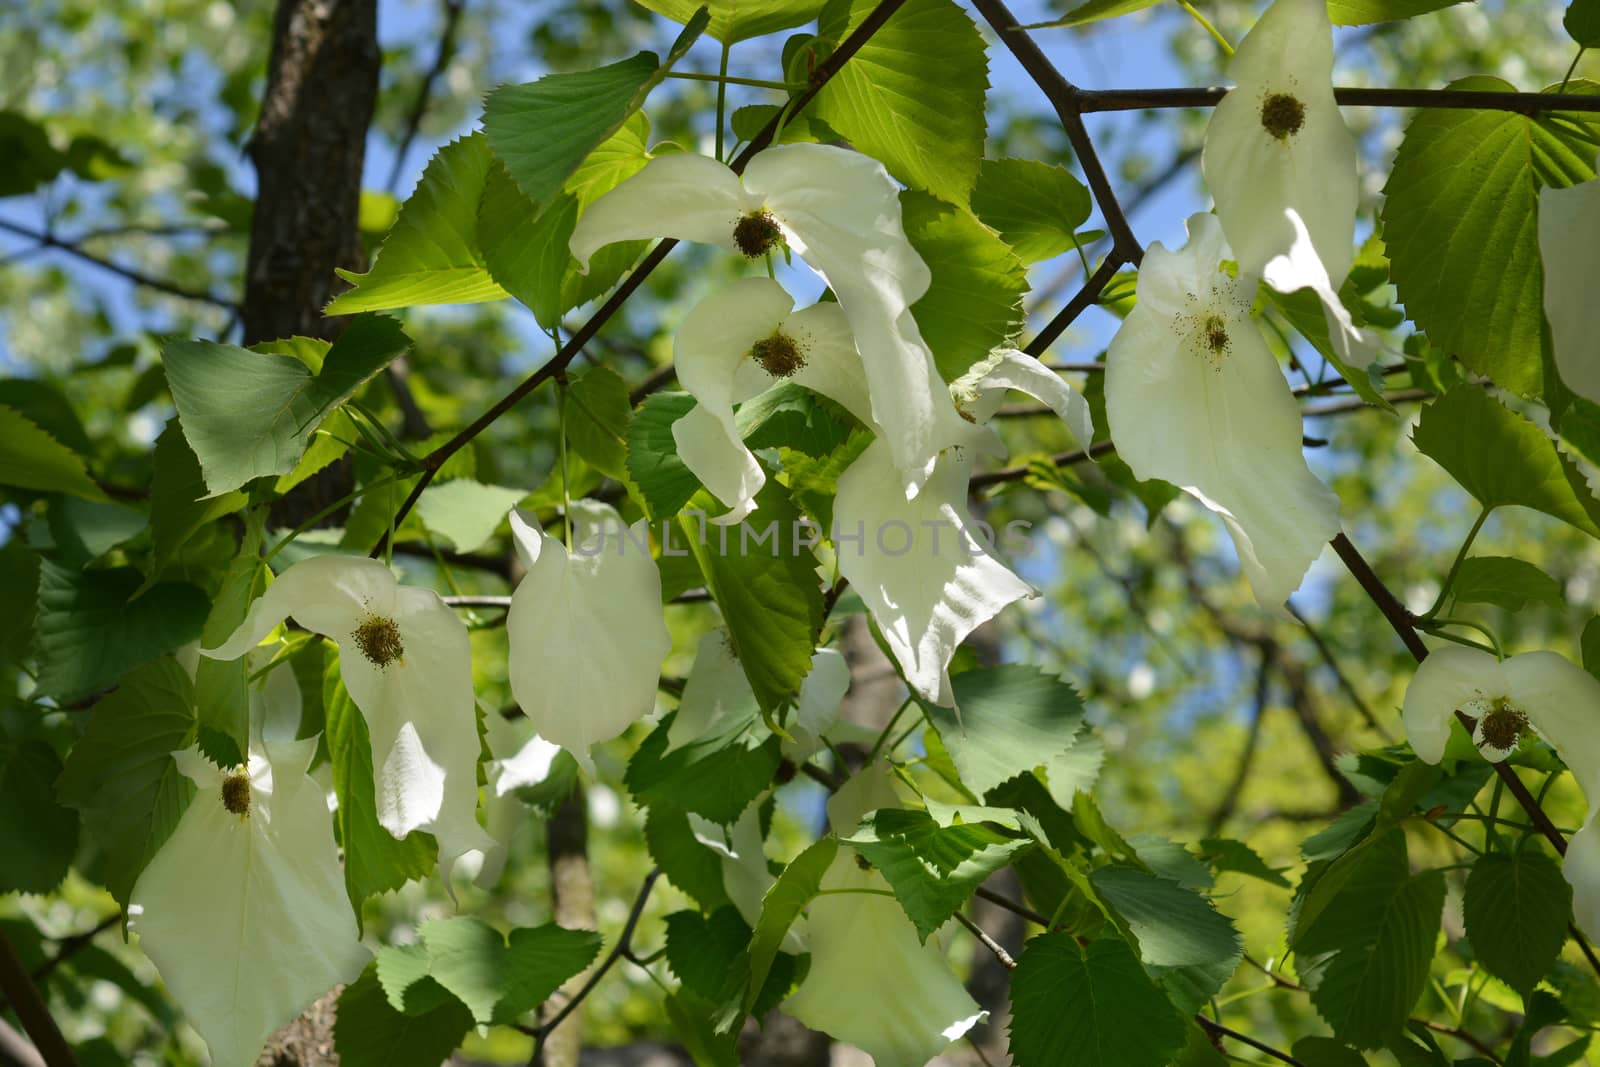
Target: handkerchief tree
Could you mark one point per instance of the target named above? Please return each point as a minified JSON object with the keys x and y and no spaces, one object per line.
{"x":737,"y":551}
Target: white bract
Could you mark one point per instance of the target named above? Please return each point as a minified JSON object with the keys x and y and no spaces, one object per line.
{"x":1569,"y":222}
{"x":407,"y":661}
{"x":872,"y":983}
{"x":1195,"y":397}
{"x":979,"y":392}
{"x":585,"y":628}
{"x":718,"y":692}
{"x":1539,"y":690}
{"x":243,"y":909}
{"x":1281,"y":164}
{"x":521,"y":759}
{"x":735,"y":345}
{"x":839,"y":211}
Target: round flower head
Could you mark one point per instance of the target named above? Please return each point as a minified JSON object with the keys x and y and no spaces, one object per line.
{"x":1569,"y":220}
{"x":407,"y":661}
{"x":1195,"y":397}
{"x":585,"y":628}
{"x":736,"y":344}
{"x":840,"y":212}
{"x":1281,"y":164}
{"x":243,"y":909}
{"x":1535,"y":693}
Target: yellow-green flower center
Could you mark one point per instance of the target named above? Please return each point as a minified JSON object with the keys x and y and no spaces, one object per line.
{"x":1214,"y":334}
{"x":378,"y":639}
{"x":779,"y":355}
{"x":236,"y":793}
{"x":1282,"y":115}
{"x":757,"y":233}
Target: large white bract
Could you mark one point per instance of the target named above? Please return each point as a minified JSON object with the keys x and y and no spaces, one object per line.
{"x":1543,"y":691}
{"x":1569,"y":220}
{"x":1281,"y":165}
{"x":839,"y":211}
{"x":735,"y":345}
{"x":407,"y":661}
{"x":1195,"y":397}
{"x":585,"y":628}
{"x":243,"y":909}
{"x":872,"y":983}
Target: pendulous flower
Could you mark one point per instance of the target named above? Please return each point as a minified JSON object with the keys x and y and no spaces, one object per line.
{"x":1195,"y":397}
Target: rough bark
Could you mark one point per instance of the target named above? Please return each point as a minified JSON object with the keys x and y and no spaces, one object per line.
{"x":572,"y":886}
{"x":308,"y":149}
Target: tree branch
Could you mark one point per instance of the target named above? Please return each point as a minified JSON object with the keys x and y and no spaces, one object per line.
{"x":31,"y":1010}
{"x":447,"y":49}
{"x":71,"y":248}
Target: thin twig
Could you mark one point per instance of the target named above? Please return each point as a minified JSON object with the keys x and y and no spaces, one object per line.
{"x":71,"y":248}
{"x":447,"y":50}
{"x":987,"y":942}
{"x":1241,"y":773}
{"x":1214,"y":1027}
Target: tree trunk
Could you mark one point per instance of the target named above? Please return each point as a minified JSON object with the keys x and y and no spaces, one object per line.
{"x":308,"y":149}
{"x":572,"y":886}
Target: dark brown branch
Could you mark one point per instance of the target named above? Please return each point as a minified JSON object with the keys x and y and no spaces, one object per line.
{"x":1091,"y":100}
{"x":622,"y":947}
{"x":71,"y":248}
{"x":70,"y":946}
{"x":1077,"y":305}
{"x":1063,"y":97}
{"x":30,"y":1008}
{"x":1215,"y":1028}
{"x":1332,"y":663}
{"x":419,"y":107}
{"x":585,"y":333}
{"x":987,"y":942}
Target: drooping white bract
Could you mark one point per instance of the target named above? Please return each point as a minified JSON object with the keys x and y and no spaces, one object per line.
{"x":1569,"y":222}
{"x":736,"y":344}
{"x":585,"y":628}
{"x":407,"y":661}
{"x":872,"y":983}
{"x":1281,"y":164}
{"x":978,"y":392}
{"x":840,"y":211}
{"x":1195,"y":397}
{"x":925,"y":571}
{"x":1542,"y":690}
{"x":718,"y":691}
{"x":243,"y":909}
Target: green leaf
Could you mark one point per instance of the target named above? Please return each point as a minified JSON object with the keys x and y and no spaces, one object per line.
{"x":1361,"y":12}
{"x":932,"y":869}
{"x":1186,"y":944}
{"x":121,"y":775}
{"x":1459,"y":221}
{"x":796,"y":887}
{"x":1501,"y":458}
{"x":913,"y":96}
{"x":31,"y":459}
{"x":1014,"y":719}
{"x":1303,"y":310}
{"x":248,"y":414}
{"x":369,"y":1032}
{"x":1227,"y":855}
{"x":653,"y":464}
{"x":85,"y":530}
{"x":716,"y":775}
{"x":1037,"y":208}
{"x":733,"y":21}
{"x":526,"y":245}
{"x":544,"y":129}
{"x":221,"y":686}
{"x":472,"y":961}
{"x":1503,"y":581}
{"x":687,"y":863}
{"x":464,"y":512}
{"x":1590,"y":645}
{"x":374,"y":861}
{"x":711,"y":956}
{"x":1095,"y":10}
{"x":598,"y":417}
{"x":975,"y":300}
{"x":179,"y":504}
{"x":19,"y":587}
{"x":1087,"y":1004}
{"x":30,"y":158}
{"x":1516,"y":909}
{"x":1582,"y":22}
{"x":764,"y":580}
{"x":88,"y":635}
{"x":1365,"y":939}
{"x":789,"y":416}
{"x":431,"y":255}
{"x":38,"y":836}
